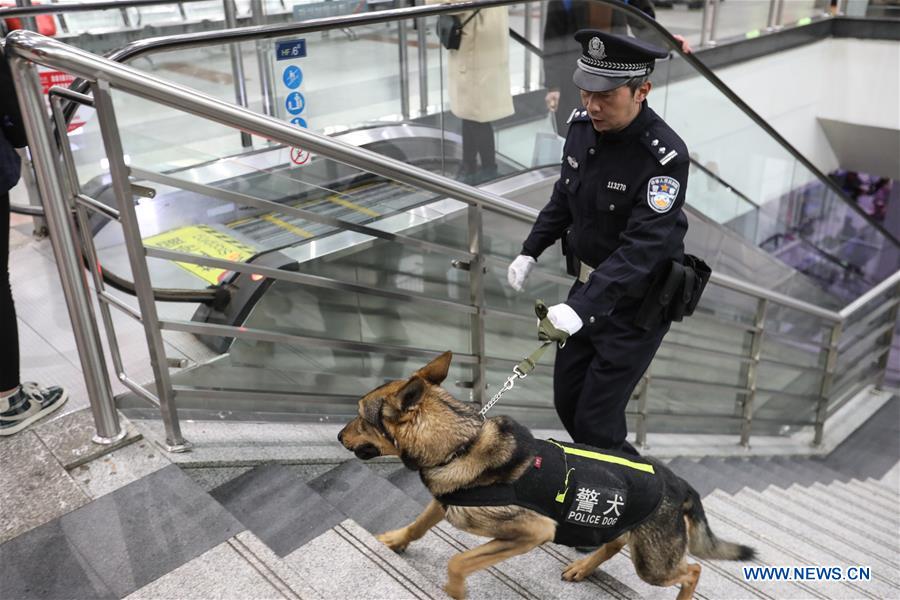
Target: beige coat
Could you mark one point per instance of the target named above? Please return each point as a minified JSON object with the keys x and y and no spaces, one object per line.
{"x":478,"y":73}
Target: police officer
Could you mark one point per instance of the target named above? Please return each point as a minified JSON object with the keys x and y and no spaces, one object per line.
{"x":618,"y":203}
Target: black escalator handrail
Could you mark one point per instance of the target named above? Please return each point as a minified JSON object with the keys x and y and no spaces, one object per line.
{"x":42,"y":9}
{"x":269,"y":31}
{"x":525,"y":43}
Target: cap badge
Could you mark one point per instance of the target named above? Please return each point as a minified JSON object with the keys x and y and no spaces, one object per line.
{"x":596,"y":48}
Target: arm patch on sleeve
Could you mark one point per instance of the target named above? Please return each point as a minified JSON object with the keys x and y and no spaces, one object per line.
{"x":662,"y":192}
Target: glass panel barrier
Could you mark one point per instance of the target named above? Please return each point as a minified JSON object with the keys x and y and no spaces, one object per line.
{"x":354,"y":307}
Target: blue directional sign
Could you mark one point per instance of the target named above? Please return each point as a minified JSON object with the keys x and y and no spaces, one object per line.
{"x":295,"y":103}
{"x":292,"y":77}
{"x":290,"y":50}
{"x":299,"y":122}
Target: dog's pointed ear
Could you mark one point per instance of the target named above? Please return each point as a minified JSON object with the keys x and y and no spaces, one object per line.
{"x":436,"y":371}
{"x":411,"y":393}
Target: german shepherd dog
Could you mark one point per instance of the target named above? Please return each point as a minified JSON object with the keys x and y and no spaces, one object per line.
{"x":452,"y":448}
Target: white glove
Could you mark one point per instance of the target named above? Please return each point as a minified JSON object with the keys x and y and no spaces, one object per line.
{"x":518,"y":271}
{"x":564,"y":317}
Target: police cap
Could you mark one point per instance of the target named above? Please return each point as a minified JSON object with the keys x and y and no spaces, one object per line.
{"x":609,"y":61}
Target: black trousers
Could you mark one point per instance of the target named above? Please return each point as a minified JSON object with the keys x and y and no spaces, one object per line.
{"x":596,"y":372}
{"x":9,"y":333}
{"x":478,"y":140}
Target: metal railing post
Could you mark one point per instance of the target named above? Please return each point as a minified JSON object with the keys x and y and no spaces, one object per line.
{"x":779,"y":20}
{"x":267,"y":88}
{"x":404,"y":68}
{"x":39,"y":224}
{"x":476,"y":296}
{"x":237,"y":65}
{"x":67,"y":252}
{"x":529,"y":26}
{"x":704,"y":23}
{"x":118,"y":171}
{"x":827,"y":380}
{"x":770,"y":20}
{"x":28,"y":23}
{"x":759,"y":324}
{"x":886,"y":340}
{"x":714,"y":24}
{"x":641,"y":430}
{"x":542,"y":26}
{"x":422,"y":39}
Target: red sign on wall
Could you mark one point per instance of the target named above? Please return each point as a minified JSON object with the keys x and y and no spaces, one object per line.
{"x":52,"y":78}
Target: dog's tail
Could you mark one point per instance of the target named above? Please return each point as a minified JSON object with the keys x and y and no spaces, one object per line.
{"x":702,"y":542}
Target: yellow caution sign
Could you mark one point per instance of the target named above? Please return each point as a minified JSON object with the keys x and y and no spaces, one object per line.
{"x":202,"y":240}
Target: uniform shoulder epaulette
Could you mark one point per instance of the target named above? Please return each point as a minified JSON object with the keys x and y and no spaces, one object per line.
{"x":578,"y":114}
{"x":664,"y":144}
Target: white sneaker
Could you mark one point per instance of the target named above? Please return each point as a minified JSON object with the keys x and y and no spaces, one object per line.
{"x":30,"y":403}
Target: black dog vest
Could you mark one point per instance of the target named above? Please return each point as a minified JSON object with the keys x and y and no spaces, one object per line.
{"x":594,"y":496}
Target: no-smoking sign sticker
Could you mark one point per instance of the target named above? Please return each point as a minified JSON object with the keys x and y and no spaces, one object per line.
{"x":299,"y":156}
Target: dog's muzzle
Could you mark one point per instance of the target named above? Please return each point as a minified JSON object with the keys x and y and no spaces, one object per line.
{"x":366,"y":451}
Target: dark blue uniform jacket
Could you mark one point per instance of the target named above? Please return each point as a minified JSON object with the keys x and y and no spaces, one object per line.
{"x":619,"y":197}
{"x":594,"y":496}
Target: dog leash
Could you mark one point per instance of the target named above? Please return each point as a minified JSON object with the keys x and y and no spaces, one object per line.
{"x":526,"y":365}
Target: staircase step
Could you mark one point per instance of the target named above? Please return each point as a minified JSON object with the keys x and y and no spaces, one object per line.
{"x":778,"y":547}
{"x":825,"y":506}
{"x":850,"y":543}
{"x":738,"y":478}
{"x":887,"y":486}
{"x":411,"y":484}
{"x":378,"y":506}
{"x":812,"y":468}
{"x":877,"y":491}
{"x":347,"y":562}
{"x":715,"y":580}
{"x":754,"y":476}
{"x":815,"y":547}
{"x":836,"y":498}
{"x":767,"y":477}
{"x":766,"y":556}
{"x":278,"y":507}
{"x":702,"y":478}
{"x":792,"y":474}
{"x":876,"y":505}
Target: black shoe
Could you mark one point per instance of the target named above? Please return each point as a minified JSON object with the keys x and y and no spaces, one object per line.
{"x":30,"y":403}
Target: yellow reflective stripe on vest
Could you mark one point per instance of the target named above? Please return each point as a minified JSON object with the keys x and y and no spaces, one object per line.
{"x":605,"y":458}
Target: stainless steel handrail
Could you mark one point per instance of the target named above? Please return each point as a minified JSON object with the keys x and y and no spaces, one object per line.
{"x":49,"y":52}
{"x":43,"y":9}
{"x":28,"y":46}
{"x":856,"y":305}
{"x":224,"y":36}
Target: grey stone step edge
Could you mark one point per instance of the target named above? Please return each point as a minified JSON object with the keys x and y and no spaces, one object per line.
{"x":816,"y":502}
{"x":801,"y":524}
{"x":818,"y":553}
{"x":773,"y":539}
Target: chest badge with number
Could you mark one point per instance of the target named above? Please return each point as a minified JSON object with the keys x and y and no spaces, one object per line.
{"x":661,"y":193}
{"x":615,"y":185}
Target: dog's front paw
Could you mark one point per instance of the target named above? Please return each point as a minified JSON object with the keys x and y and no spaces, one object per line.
{"x":579,"y":569}
{"x":397,"y":540}
{"x":457,"y":591}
